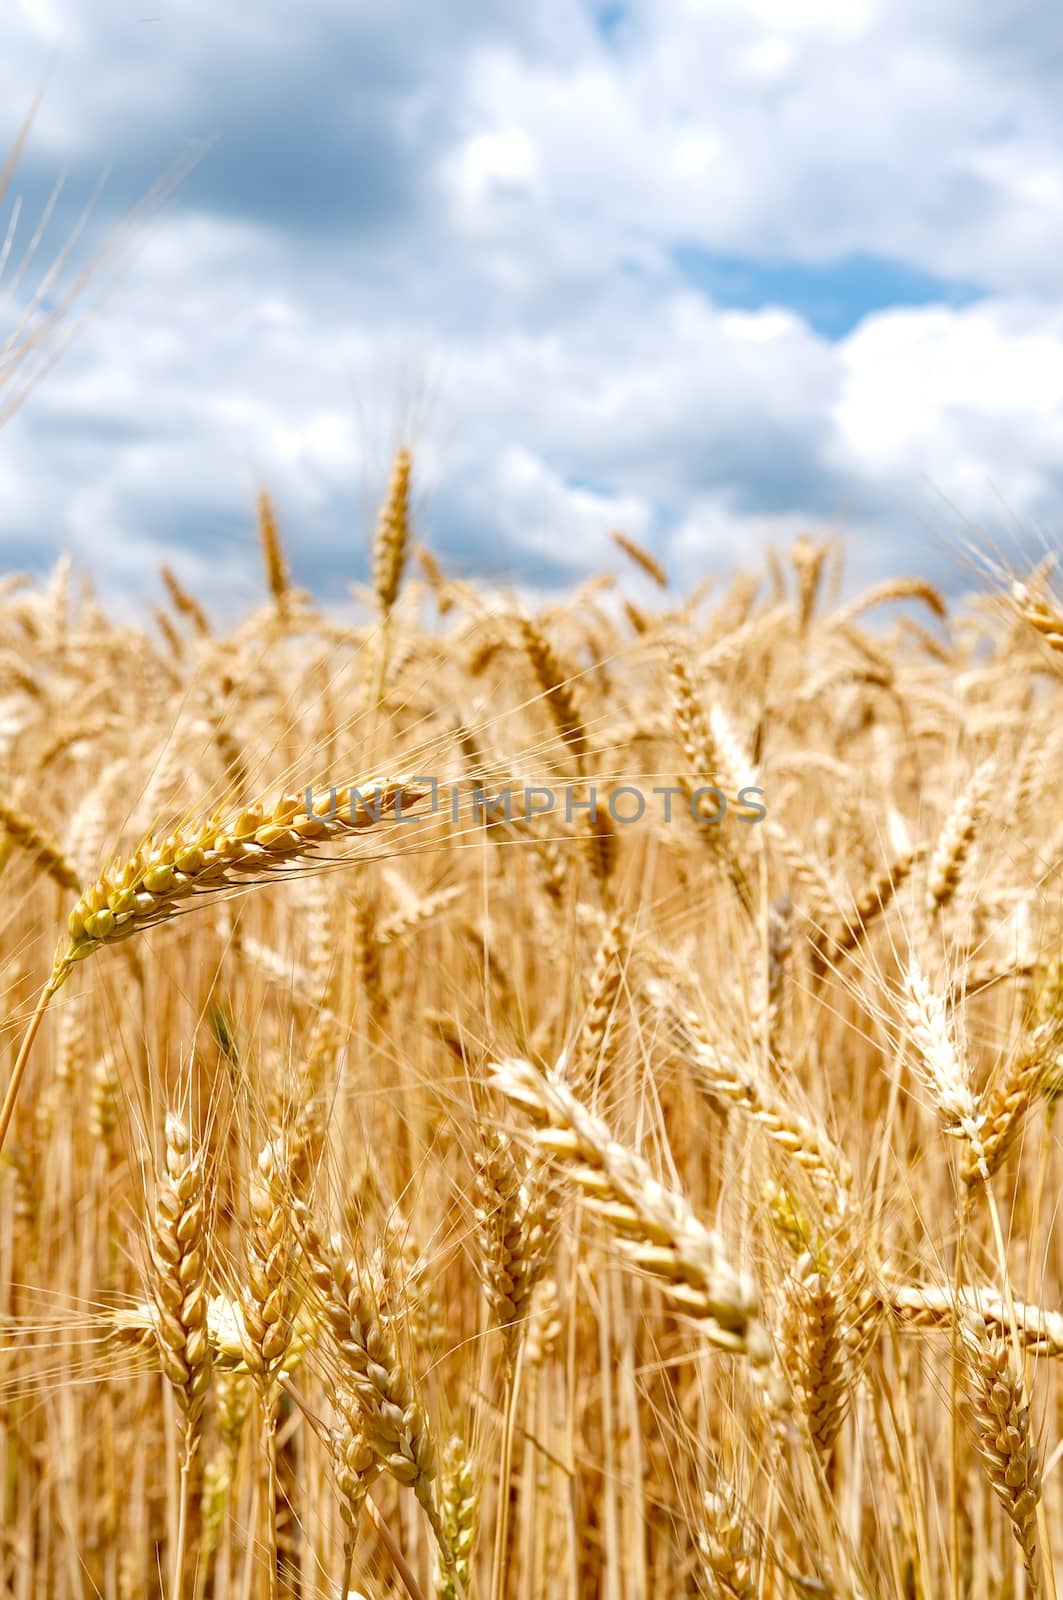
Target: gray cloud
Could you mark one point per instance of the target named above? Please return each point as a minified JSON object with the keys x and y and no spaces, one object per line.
{"x":462,"y":221}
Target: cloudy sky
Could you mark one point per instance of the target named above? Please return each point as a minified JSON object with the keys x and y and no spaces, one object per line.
{"x":711,"y":271}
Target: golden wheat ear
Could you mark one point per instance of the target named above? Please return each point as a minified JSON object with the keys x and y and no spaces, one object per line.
{"x":655,"y":1226}
{"x":194,"y":865}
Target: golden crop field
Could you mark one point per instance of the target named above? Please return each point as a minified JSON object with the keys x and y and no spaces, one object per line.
{"x":464,"y":1178}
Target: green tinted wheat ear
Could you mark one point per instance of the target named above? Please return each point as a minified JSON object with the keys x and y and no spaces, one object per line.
{"x":392,"y":535}
{"x":656,"y":1226}
{"x":458,"y":1506}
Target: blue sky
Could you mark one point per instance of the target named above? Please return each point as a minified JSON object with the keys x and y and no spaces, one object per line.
{"x":712,"y":271}
{"x":832,"y":296}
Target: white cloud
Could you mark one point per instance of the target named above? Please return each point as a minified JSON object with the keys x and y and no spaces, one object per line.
{"x":972,"y":400}
{"x":42,"y":17}
{"x":769,"y":58}
{"x":493,"y":196}
{"x":695,"y":153}
{"x":847,"y":16}
{"x":500,"y":163}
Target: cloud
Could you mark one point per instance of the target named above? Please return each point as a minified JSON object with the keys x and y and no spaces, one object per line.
{"x":707,"y":270}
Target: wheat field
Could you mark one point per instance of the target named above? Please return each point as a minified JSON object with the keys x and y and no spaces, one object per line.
{"x":453,"y":1184}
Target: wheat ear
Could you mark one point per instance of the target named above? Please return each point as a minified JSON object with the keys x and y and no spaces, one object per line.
{"x":943,"y":1067}
{"x":819,"y":1354}
{"x":392,"y":535}
{"x":1001,"y":1422}
{"x":590,"y":1056}
{"x":152,"y":885}
{"x":354,"y":1466}
{"x":1044,"y":618}
{"x":845,"y":936}
{"x":180,"y":1300}
{"x":700,"y":750}
{"x":185,"y":603}
{"x":954,"y":842}
{"x":644,"y":559}
{"x":161,"y":877}
{"x":734,"y":1083}
{"x":656,"y":1226}
{"x":723,"y":1543}
{"x":1004,"y":1106}
{"x":554,"y":683}
{"x":894,"y":589}
{"x":807,"y":558}
{"x":273,"y":554}
{"x":393,"y":1419}
{"x":920,"y":1308}
{"x":46,"y":853}
{"x":513,"y":1227}
{"x":459,"y":1503}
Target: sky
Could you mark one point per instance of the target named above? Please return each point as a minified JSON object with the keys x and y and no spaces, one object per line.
{"x":713,"y":272}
